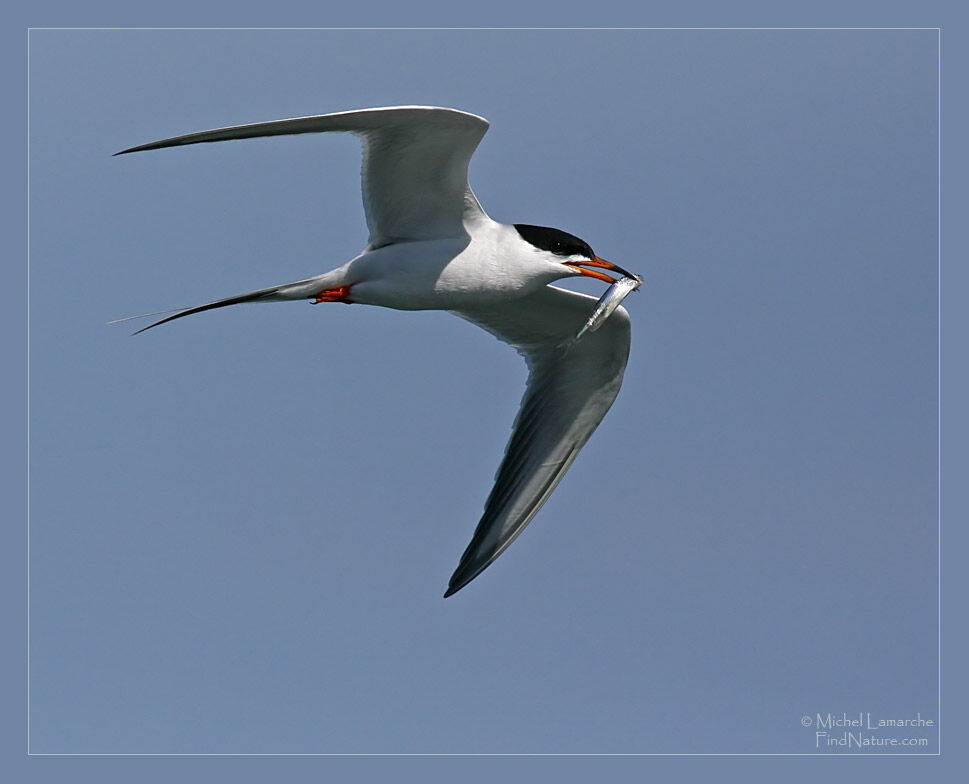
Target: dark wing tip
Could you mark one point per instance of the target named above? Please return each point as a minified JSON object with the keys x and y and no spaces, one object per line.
{"x":136,"y":148}
{"x":458,"y":580}
{"x":456,"y":585}
{"x":150,"y":146}
{"x":464,"y":574}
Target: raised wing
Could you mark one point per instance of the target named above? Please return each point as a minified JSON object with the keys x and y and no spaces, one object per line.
{"x":415,"y":165}
{"x":568,"y":393}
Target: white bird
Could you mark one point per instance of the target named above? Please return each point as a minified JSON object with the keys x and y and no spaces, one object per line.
{"x":432,"y":247}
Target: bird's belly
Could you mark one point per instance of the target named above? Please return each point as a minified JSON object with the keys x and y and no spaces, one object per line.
{"x":436,"y":275}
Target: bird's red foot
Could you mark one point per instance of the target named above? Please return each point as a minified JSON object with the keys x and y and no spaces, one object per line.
{"x":339,"y":294}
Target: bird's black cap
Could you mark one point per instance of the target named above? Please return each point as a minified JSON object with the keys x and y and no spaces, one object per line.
{"x":555,"y":241}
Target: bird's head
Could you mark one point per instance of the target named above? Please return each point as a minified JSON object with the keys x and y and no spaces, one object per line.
{"x":574,"y":255}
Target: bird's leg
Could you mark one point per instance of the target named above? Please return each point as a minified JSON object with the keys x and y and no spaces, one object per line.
{"x":339,"y":294}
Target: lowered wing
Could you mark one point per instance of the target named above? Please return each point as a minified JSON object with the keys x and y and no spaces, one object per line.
{"x":569,"y":391}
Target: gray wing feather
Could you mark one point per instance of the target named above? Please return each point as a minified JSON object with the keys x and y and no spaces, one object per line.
{"x":415,"y":165}
{"x":569,"y":391}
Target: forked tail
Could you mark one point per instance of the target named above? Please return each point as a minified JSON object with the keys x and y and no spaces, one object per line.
{"x":301,"y":289}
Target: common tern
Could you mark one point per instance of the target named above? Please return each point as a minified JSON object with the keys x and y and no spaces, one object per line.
{"x":432,"y":247}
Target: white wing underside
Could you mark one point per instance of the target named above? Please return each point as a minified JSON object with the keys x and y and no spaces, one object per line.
{"x":568,"y":393}
{"x":415,"y":165}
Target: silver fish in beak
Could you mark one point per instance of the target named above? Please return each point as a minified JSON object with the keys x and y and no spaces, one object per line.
{"x":608,"y":302}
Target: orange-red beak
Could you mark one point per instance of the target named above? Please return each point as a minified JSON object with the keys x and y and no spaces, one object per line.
{"x":599,"y":264}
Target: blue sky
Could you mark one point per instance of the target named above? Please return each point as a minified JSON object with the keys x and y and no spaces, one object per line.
{"x":242,"y":524}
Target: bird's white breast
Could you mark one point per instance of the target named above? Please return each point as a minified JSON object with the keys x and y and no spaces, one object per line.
{"x":448,"y":274}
